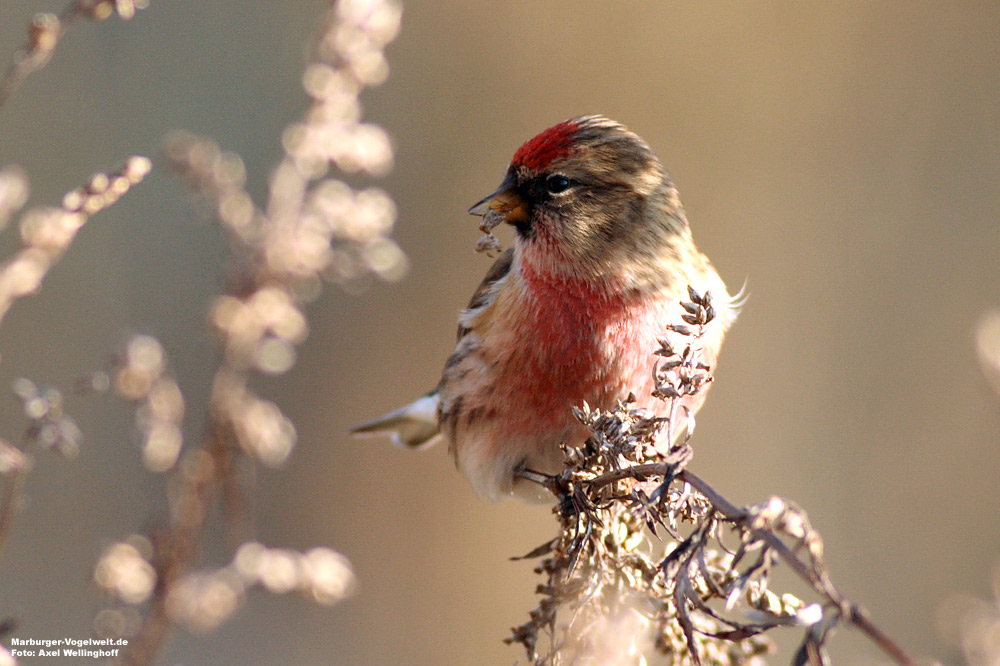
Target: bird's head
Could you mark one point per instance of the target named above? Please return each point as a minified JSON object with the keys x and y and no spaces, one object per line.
{"x":585,"y":193}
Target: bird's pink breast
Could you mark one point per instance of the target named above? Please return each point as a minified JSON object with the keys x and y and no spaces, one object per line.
{"x":574,"y":341}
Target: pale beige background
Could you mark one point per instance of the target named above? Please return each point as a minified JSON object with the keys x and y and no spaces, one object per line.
{"x":844,"y":159}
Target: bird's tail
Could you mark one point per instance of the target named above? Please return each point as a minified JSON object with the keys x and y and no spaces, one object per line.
{"x":414,"y":425}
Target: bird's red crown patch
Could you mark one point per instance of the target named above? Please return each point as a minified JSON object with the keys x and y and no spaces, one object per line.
{"x":555,"y":142}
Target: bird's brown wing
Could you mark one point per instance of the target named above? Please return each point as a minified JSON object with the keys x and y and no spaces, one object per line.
{"x":481,"y":297}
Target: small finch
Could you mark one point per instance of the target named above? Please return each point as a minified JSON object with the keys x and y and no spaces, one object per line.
{"x":601,"y":260}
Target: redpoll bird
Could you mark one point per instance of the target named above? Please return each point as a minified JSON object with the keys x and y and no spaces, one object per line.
{"x":601,"y":260}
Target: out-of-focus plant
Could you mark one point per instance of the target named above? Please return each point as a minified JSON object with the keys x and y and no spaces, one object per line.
{"x":46,"y":234}
{"x":312,"y":228}
{"x":971,"y":624}
{"x":45,"y":31}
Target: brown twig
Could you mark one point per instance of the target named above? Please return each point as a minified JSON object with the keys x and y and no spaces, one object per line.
{"x":850,"y":611}
{"x":176,"y":549}
{"x":48,"y":232}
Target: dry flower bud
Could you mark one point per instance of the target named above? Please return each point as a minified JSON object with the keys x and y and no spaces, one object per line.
{"x":43,"y":32}
{"x":236,"y":210}
{"x":146,"y":355}
{"x":165,"y":401}
{"x":263,"y":431}
{"x":227,"y":312}
{"x":379,"y":19}
{"x":247,"y":561}
{"x":101,"y":10}
{"x":320,"y":80}
{"x":126,"y":8}
{"x":274,"y":310}
{"x":365,"y":148}
{"x":136,"y":168}
{"x":328,"y":574}
{"x":274,"y":356}
{"x":102,"y":190}
{"x":280,"y":570}
{"x":116,"y":622}
{"x":203,"y":601}
{"x":123,"y":571}
{"x":23,"y":275}
{"x":370,"y":67}
{"x":141,"y":368}
{"x":806,"y":615}
{"x":98,"y":183}
{"x":384,"y":258}
{"x":50,"y":229}
{"x":322,"y":574}
{"x":162,"y":446}
{"x":74,"y":199}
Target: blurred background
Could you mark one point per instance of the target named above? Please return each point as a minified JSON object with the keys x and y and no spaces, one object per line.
{"x":841,"y":158}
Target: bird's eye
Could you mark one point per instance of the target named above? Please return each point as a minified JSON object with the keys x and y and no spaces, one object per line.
{"x":557,"y":184}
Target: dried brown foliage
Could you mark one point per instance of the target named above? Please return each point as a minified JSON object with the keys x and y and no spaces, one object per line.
{"x":650,"y":560}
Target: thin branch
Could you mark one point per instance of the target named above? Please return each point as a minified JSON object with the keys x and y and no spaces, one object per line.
{"x":14,"y":464}
{"x":45,"y":31}
{"x":47,"y":233}
{"x":178,"y":547}
{"x":853,"y":613}
{"x":741,"y":517}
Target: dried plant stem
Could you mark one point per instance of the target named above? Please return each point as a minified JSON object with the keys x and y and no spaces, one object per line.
{"x":176,"y":549}
{"x":817,"y":577}
{"x":820,"y":582}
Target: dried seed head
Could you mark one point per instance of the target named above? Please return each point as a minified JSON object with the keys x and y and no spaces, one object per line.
{"x":489,"y":243}
{"x":43,"y":32}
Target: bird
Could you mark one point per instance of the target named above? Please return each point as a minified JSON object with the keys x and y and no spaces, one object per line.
{"x":571,"y":314}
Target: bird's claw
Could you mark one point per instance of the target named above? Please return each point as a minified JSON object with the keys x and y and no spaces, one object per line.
{"x":555,"y":484}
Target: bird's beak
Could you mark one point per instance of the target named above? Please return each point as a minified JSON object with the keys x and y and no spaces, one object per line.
{"x":506,"y":201}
